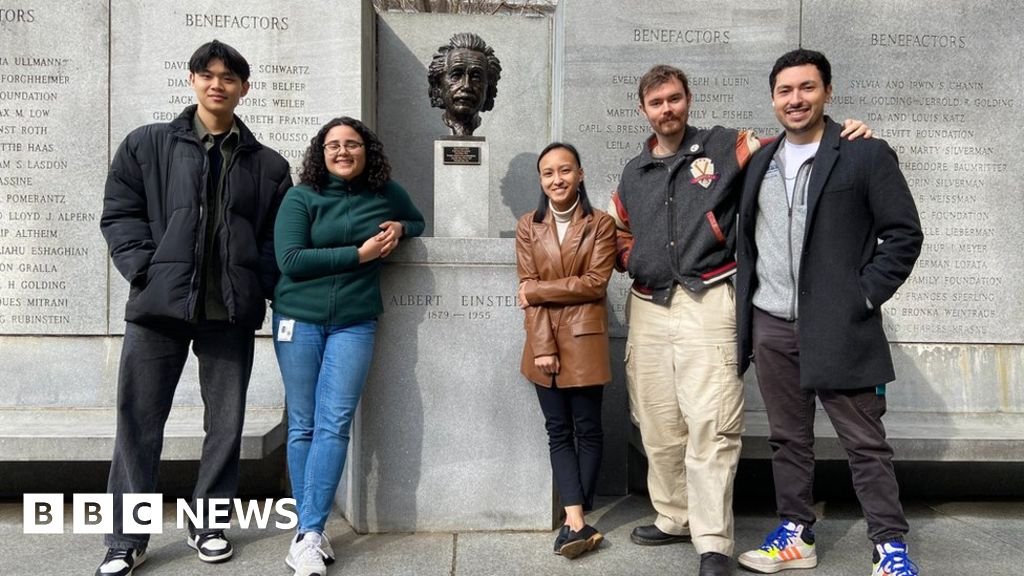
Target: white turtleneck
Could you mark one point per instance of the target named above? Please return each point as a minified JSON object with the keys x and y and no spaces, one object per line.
{"x":562,"y":219}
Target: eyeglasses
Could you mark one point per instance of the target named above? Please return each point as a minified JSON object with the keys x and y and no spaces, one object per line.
{"x":349,"y":145}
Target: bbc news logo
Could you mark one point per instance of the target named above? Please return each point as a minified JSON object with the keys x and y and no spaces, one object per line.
{"x":144,"y":513}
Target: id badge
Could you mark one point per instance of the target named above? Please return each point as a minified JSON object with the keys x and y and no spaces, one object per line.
{"x":285,"y":328}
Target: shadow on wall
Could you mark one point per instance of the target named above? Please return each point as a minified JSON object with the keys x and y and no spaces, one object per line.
{"x":406,"y":123}
{"x":519,"y":188}
{"x":391,"y":461}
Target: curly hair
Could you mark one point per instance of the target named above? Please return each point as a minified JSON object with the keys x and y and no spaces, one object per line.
{"x":314,"y":167}
{"x":467,"y":41}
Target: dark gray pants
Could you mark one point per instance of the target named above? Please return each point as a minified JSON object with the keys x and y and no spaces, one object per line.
{"x":855,"y":414}
{"x":152,"y":359}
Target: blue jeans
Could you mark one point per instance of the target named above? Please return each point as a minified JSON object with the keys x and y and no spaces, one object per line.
{"x":324,"y":368}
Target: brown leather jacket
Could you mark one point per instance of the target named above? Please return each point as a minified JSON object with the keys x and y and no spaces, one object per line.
{"x":565,"y":286}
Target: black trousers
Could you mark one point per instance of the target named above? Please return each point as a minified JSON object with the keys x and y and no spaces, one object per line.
{"x":572,"y":417}
{"x":855,"y":414}
{"x":152,"y":359}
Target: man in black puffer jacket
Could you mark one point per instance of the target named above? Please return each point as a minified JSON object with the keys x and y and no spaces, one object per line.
{"x":188,"y":216}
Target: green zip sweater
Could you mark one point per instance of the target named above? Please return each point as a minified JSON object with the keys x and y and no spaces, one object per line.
{"x":316,"y":240}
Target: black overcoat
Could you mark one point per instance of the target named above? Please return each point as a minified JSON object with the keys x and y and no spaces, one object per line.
{"x":861,"y":240}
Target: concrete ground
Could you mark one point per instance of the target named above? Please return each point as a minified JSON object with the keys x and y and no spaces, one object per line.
{"x":947,"y":539}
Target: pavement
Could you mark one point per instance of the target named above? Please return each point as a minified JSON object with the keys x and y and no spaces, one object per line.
{"x":947,"y":539}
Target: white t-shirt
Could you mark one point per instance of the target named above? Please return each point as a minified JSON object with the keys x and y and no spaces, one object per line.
{"x":793,"y":157}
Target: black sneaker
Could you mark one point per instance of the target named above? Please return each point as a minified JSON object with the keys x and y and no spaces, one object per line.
{"x":212,"y":547}
{"x":121,"y":561}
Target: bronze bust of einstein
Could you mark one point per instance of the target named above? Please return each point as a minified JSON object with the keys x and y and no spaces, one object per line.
{"x":463,"y":77}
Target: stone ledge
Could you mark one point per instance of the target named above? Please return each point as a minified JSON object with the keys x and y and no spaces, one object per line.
{"x":67,"y":434}
{"x":915,"y":436}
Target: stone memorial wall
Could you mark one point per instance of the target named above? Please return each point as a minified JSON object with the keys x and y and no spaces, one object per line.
{"x":75,"y":78}
{"x":939,"y":86}
{"x":516,"y":130}
{"x":53,"y":157}
{"x":934,"y":83}
{"x":450,"y":434}
{"x":305,"y":71}
{"x":431,"y":448}
{"x":605,"y":51}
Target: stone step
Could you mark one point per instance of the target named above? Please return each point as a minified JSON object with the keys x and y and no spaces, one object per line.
{"x":82,"y":434}
{"x":915,"y":436}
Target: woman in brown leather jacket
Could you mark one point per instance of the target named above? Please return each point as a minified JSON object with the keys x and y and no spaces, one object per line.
{"x":565,"y":251}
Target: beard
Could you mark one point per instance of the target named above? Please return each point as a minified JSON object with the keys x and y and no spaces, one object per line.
{"x":669,"y":125}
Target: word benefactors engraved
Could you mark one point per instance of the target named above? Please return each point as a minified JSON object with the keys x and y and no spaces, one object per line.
{"x":238,"y":22}
{"x":17,"y":15}
{"x":930,"y":91}
{"x":723,"y":53}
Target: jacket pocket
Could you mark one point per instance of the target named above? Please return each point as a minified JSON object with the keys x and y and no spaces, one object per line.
{"x":589,"y":327}
{"x":865,"y":308}
{"x":716,"y":230}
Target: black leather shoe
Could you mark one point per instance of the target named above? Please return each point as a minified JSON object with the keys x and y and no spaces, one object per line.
{"x":563,"y":535}
{"x":715,"y":564}
{"x":581,"y":542}
{"x":651,"y":535}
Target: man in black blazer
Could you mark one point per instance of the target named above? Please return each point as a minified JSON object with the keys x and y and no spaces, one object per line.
{"x":828,"y":231}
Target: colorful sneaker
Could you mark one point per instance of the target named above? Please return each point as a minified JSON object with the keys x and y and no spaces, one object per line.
{"x":790,"y":546}
{"x":890,"y":559}
{"x":305,"y":556}
{"x":121,"y":561}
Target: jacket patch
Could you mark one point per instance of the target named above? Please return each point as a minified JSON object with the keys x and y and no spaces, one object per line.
{"x":703,"y":171}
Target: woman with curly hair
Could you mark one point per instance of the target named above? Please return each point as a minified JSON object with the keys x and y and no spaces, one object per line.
{"x":332,"y":231}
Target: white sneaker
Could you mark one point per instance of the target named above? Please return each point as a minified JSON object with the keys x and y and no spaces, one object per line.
{"x":121,"y":562}
{"x":891,"y":559}
{"x":212,"y":547}
{"x":305,"y":556}
{"x":325,"y":549}
{"x":784,"y":549}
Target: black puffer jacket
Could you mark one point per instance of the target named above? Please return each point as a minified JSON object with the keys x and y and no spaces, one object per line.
{"x":154,"y":221}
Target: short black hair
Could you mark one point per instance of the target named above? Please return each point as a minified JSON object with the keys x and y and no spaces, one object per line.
{"x":800,"y":57}
{"x":581,"y":190}
{"x":217,"y":50}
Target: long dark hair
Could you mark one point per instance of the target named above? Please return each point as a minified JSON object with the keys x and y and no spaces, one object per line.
{"x":314,"y":168}
{"x":581,"y":189}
